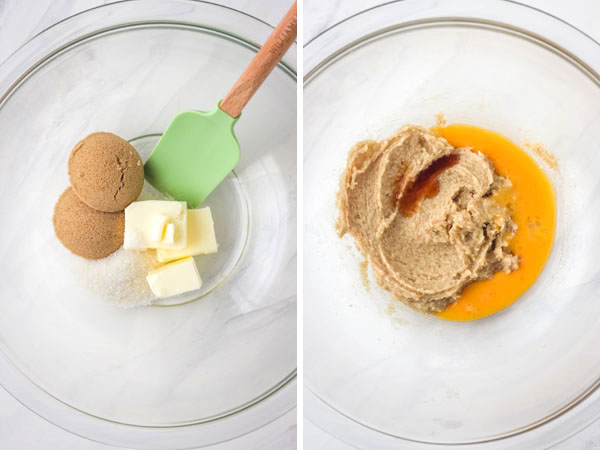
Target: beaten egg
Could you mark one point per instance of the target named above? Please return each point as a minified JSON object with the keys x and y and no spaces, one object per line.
{"x":532,"y":204}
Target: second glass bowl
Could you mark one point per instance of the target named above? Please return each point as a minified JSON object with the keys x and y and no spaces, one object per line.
{"x":403,"y":378}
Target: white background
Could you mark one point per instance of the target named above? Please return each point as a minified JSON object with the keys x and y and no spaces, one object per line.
{"x":320,"y":15}
{"x":20,"y":429}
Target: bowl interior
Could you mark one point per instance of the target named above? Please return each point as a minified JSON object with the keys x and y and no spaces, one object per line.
{"x":150,"y":366}
{"x":418,"y":377}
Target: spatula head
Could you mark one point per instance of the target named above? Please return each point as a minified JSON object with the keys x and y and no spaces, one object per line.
{"x":194,"y":155}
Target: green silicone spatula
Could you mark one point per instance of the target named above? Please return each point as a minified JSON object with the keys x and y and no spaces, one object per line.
{"x":199,"y":149}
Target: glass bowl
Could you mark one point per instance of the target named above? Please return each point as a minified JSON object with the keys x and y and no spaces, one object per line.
{"x":380,"y":375}
{"x":220,"y":364}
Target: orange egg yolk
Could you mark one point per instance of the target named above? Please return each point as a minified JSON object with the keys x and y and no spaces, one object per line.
{"x":533,"y":208}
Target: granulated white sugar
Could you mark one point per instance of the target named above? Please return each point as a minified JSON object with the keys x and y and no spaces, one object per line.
{"x":120,"y":278}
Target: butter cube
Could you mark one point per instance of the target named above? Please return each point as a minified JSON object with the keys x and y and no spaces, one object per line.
{"x":201,"y":238}
{"x":158,"y":227}
{"x":170,"y":233}
{"x":155,"y":224}
{"x":175,"y":278}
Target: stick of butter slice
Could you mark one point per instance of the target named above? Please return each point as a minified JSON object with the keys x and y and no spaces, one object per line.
{"x":201,"y":238}
{"x":155,"y":224}
{"x":175,"y":278}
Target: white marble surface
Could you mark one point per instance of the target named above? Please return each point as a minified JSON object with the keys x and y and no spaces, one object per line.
{"x":318,"y":16}
{"x":20,"y":428}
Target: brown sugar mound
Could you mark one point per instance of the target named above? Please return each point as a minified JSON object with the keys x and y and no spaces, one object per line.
{"x":106,"y":172}
{"x":83,"y":230}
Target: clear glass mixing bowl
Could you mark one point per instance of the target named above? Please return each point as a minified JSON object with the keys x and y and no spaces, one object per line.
{"x":381,"y":376}
{"x":192,"y":375}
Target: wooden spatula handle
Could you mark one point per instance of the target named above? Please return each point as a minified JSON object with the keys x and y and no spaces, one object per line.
{"x":261,"y":65}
